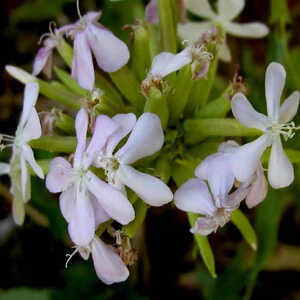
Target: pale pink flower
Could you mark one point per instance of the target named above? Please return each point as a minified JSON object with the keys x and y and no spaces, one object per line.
{"x":152,"y":12}
{"x":90,"y":37}
{"x":145,"y":139}
{"x":86,"y":201}
{"x":108,"y":265}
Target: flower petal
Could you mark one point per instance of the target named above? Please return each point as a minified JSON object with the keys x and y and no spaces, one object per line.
{"x":24,"y":177}
{"x":41,"y":59}
{"x":104,"y":127}
{"x":115,"y":204}
{"x":235,"y":198}
{"x":31,"y":93}
{"x":81,"y":126}
{"x":244,"y":112}
{"x":149,"y":188}
{"x":108,"y":264}
{"x":217,"y":171}
{"x":274,"y":84}
{"x":228,"y":147}
{"x":126,"y":123}
{"x":146,"y":138}
{"x":92,"y":16}
{"x":32,"y":129}
{"x":229,"y":9}
{"x":245,"y":160}
{"x":247,"y":30}
{"x":289,"y":108}
{"x":4,"y":168}
{"x":224,"y":52}
{"x":82,"y":225}
{"x":110,"y":52}
{"x":192,"y":31}
{"x":204,"y":226}
{"x":166,"y":63}
{"x":100,"y":215}
{"x":194,"y":196}
{"x":280,"y":171}
{"x":82,"y":64}
{"x":200,"y":8}
{"x":28,"y":155}
{"x":58,"y":176}
{"x":152,"y":12}
{"x":258,"y":189}
{"x":67,"y":203}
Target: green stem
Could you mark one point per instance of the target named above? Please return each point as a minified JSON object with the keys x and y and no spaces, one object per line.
{"x":167,"y":26}
{"x":129,"y":86}
{"x":198,"y":129}
{"x":65,"y":51}
{"x":64,"y":144}
{"x":65,"y":123}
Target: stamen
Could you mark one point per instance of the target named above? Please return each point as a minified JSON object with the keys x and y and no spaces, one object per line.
{"x":52,"y":27}
{"x":286,"y":130}
{"x":70,"y":256}
{"x":43,"y":36}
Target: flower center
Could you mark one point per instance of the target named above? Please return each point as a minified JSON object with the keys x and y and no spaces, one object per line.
{"x":286,"y":130}
{"x":110,"y":165}
{"x":9,"y":141}
{"x":222,"y":216}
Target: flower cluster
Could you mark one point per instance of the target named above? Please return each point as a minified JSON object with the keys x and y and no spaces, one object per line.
{"x":122,"y":150}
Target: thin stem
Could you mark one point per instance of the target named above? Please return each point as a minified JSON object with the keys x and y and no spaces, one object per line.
{"x":78,"y":9}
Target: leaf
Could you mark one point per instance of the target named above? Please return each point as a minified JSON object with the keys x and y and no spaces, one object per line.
{"x":242,"y":223}
{"x":204,"y":247}
{"x":25,"y":293}
{"x":279,"y":12}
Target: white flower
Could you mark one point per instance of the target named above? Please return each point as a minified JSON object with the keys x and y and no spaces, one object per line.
{"x":278,"y":122}
{"x":29,"y":128}
{"x":145,"y":139}
{"x":227,"y":11}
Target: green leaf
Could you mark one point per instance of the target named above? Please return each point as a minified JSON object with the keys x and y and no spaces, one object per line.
{"x":198,"y":129}
{"x":279,"y":12}
{"x":266,"y":224}
{"x":25,"y":293}
{"x":242,"y":223}
{"x":204,"y":247}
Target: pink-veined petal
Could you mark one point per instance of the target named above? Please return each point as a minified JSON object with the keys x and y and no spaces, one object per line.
{"x":194,"y":196}
{"x":126,"y":123}
{"x":192,"y":31}
{"x":41,"y":59}
{"x":108,"y":264}
{"x":247,"y":30}
{"x":152,"y":12}
{"x":67,"y":203}
{"x":229,"y":9}
{"x":200,"y":8}
{"x":82,"y":64}
{"x":31,"y":93}
{"x":244,"y":112}
{"x":115,"y":204}
{"x":28,"y":155}
{"x":289,"y":108}
{"x":246,"y":159}
{"x":146,"y":138}
{"x":258,"y":189}
{"x":32,"y":129}
{"x":204,"y":226}
{"x":110,"y":52}
{"x":59,"y":175}
{"x":104,"y":127}
{"x":149,"y":188}
{"x":82,"y":225}
{"x":100,"y":215}
{"x":274,"y":84}
{"x":81,"y":126}
{"x":280,"y":171}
